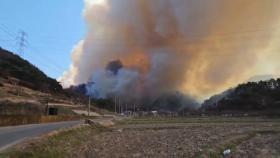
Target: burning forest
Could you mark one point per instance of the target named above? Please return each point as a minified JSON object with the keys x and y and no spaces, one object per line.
{"x":143,"y":50}
{"x":145,"y":78}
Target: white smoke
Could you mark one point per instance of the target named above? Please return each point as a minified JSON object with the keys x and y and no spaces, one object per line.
{"x":197,"y":47}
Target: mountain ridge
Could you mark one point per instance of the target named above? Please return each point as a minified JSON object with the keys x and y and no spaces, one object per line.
{"x":259,"y":96}
{"x":26,"y":74}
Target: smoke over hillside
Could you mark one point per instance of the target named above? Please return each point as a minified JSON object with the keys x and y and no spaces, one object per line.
{"x":137,"y":48}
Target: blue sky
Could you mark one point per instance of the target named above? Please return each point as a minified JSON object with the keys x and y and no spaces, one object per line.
{"x":53,"y":28}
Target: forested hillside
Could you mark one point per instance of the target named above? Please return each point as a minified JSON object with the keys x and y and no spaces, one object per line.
{"x":12,"y":66}
{"x":252,"y":96}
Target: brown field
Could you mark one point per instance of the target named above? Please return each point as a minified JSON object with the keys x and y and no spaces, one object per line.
{"x":165,"y":138}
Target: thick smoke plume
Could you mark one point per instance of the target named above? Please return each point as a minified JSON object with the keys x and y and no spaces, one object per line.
{"x":148,"y":48}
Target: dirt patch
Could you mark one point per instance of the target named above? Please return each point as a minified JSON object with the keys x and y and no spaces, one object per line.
{"x":181,"y":140}
{"x":163,"y":140}
{"x":263,"y":145}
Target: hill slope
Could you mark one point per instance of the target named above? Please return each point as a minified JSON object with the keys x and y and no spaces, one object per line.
{"x":253,"y":96}
{"x":26,"y":90}
{"x":12,"y":66}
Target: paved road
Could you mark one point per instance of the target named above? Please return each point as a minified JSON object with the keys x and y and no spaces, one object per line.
{"x":12,"y":135}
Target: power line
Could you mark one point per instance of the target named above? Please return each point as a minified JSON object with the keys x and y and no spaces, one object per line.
{"x":186,"y":37}
{"x":23,"y":43}
{"x":3,"y":40}
{"x":11,"y":37}
{"x":46,"y":58}
{"x":216,"y":35}
{"x":8,"y":45}
{"x":118,"y":42}
{"x":8,"y":30}
{"x":43,"y":62}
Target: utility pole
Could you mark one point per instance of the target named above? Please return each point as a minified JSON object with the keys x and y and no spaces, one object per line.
{"x":21,"y":41}
{"x":115,"y":105}
{"x":119,"y":105}
{"x":89,"y":100}
{"x":134,"y":108}
{"x":47,"y":107}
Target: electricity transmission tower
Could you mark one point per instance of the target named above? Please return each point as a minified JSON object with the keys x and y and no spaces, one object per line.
{"x":21,"y":42}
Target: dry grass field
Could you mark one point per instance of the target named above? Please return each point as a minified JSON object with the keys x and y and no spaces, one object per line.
{"x":163,"y":138}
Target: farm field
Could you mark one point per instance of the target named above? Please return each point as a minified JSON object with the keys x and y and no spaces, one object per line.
{"x":165,"y":137}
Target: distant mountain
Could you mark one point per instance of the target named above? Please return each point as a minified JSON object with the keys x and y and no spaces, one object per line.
{"x":252,"y":96}
{"x":14,"y":67}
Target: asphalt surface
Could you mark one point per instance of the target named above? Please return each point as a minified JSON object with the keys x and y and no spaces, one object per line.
{"x":14,"y":134}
